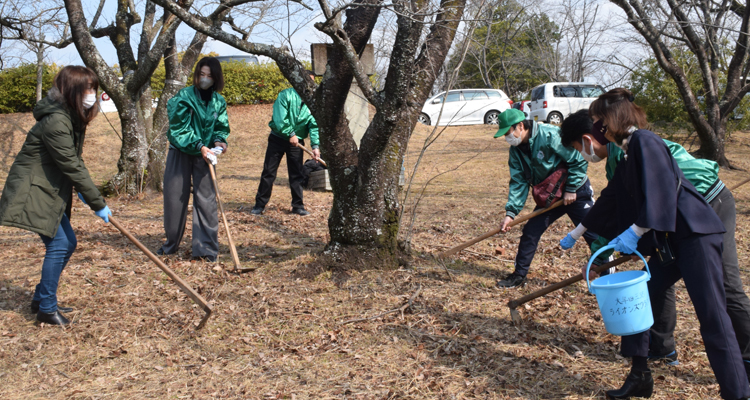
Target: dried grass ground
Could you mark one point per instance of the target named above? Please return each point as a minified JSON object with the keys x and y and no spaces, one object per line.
{"x":276,"y":334}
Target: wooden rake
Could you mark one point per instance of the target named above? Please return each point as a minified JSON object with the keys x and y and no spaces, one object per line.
{"x":513,"y":304}
{"x":311,"y":154}
{"x":237,"y":267}
{"x":494,"y":232}
{"x":197,"y":298}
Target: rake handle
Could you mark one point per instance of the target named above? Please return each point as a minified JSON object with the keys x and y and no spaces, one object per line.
{"x":311,"y":154}
{"x":232,"y":248}
{"x":197,"y":298}
{"x":494,"y":232}
{"x":513,"y":304}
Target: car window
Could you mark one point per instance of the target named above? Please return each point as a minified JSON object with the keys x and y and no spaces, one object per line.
{"x":439,"y":99}
{"x":591,"y":91}
{"x":565,"y":91}
{"x":537,"y":94}
{"x":475,"y":95}
{"x":493,"y":94}
{"x":456,"y":96}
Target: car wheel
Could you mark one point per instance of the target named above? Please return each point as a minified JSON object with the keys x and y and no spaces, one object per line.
{"x":555,"y":118}
{"x":491,"y":118}
{"x":423,"y":119}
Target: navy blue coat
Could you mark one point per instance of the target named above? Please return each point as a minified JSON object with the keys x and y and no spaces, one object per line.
{"x":649,"y":190}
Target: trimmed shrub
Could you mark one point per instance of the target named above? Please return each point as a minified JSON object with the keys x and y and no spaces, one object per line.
{"x":18,"y":87}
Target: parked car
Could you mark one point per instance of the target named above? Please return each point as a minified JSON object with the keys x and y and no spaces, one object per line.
{"x":242,"y":58}
{"x":465,"y":107}
{"x":523,"y":106}
{"x":552,"y":102}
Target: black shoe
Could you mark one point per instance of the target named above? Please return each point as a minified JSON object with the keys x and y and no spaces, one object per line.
{"x":300,"y":211}
{"x":669,"y":359}
{"x":257,"y":210}
{"x":160,"y":252}
{"x":54,"y":318}
{"x":35,"y":307}
{"x":205,"y":258}
{"x":637,"y":384}
{"x":512,"y":280}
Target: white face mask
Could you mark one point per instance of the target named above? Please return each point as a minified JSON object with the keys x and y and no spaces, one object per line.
{"x":205,"y":83}
{"x":89,"y":100}
{"x":589,"y":155}
{"x":512,"y":139}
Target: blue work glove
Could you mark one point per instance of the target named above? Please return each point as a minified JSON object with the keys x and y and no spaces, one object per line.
{"x":80,"y":196}
{"x":567,"y":242}
{"x":627,"y":242}
{"x":104,"y":214}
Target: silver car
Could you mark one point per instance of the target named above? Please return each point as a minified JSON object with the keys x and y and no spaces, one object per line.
{"x":465,"y":107}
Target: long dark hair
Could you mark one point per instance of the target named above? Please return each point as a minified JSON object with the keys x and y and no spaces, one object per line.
{"x":72,"y":82}
{"x":619,"y":111}
{"x":216,"y":73}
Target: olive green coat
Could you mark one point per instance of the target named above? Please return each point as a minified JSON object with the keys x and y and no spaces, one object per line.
{"x":38,"y":190}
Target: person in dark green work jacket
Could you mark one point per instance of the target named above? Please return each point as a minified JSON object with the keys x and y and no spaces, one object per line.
{"x":197,"y":119}
{"x":290,"y":125}
{"x":535,"y":153}
{"x":38,"y":192}
{"x":578,"y":132}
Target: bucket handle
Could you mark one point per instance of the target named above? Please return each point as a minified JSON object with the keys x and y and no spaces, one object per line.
{"x":603,"y":249}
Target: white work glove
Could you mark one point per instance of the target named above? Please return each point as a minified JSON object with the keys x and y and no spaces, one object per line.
{"x":217,"y":150}
{"x":212,"y":157}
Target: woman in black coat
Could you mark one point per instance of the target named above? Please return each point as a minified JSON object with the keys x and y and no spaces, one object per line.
{"x":659,"y":213}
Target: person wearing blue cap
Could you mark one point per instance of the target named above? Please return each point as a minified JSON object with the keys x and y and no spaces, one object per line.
{"x":536,"y":153}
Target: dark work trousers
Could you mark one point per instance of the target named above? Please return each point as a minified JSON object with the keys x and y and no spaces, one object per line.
{"x":738,"y":304}
{"x":179,"y":170}
{"x":275,"y":151}
{"x":536,"y":226}
{"x":698,"y":263}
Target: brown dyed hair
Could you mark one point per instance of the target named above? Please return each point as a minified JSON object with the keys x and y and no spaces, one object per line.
{"x":619,"y":112}
{"x":72,"y":82}
{"x":216,"y":74}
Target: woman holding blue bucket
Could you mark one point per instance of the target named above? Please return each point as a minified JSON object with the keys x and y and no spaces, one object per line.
{"x":660,"y":214}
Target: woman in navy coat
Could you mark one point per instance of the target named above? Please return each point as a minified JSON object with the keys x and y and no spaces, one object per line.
{"x":662,"y":215}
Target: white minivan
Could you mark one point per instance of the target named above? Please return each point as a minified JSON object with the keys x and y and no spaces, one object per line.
{"x":552,"y":102}
{"x":465,"y":107}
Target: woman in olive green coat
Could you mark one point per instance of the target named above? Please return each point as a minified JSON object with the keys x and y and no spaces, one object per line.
{"x":39,"y":189}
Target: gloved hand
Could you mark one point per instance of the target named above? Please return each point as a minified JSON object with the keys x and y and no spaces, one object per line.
{"x":627,"y":242}
{"x":567,"y":242}
{"x":212,"y":157}
{"x":80,"y":196}
{"x":217,"y":150}
{"x":104,"y":214}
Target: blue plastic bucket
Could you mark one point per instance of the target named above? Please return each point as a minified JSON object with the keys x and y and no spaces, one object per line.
{"x":623,"y":299}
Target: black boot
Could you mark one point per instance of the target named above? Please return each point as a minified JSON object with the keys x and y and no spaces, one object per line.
{"x":637,"y":384}
{"x":54,"y":318}
{"x":35,"y":307}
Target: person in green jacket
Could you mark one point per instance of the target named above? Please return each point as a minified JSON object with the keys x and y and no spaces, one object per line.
{"x":535,"y":153}
{"x":38,"y":192}
{"x":290,"y":125}
{"x":197,"y":119}
{"x":579,"y":132}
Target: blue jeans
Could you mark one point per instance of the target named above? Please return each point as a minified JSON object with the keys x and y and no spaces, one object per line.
{"x":59,"y":250}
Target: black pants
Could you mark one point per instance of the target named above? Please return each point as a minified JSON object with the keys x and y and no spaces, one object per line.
{"x":698,"y":263}
{"x":738,"y":304}
{"x":277,"y":147}
{"x":536,"y":226}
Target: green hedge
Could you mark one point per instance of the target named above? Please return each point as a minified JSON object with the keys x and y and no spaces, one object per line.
{"x":244,"y":84}
{"x":18,"y":87}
